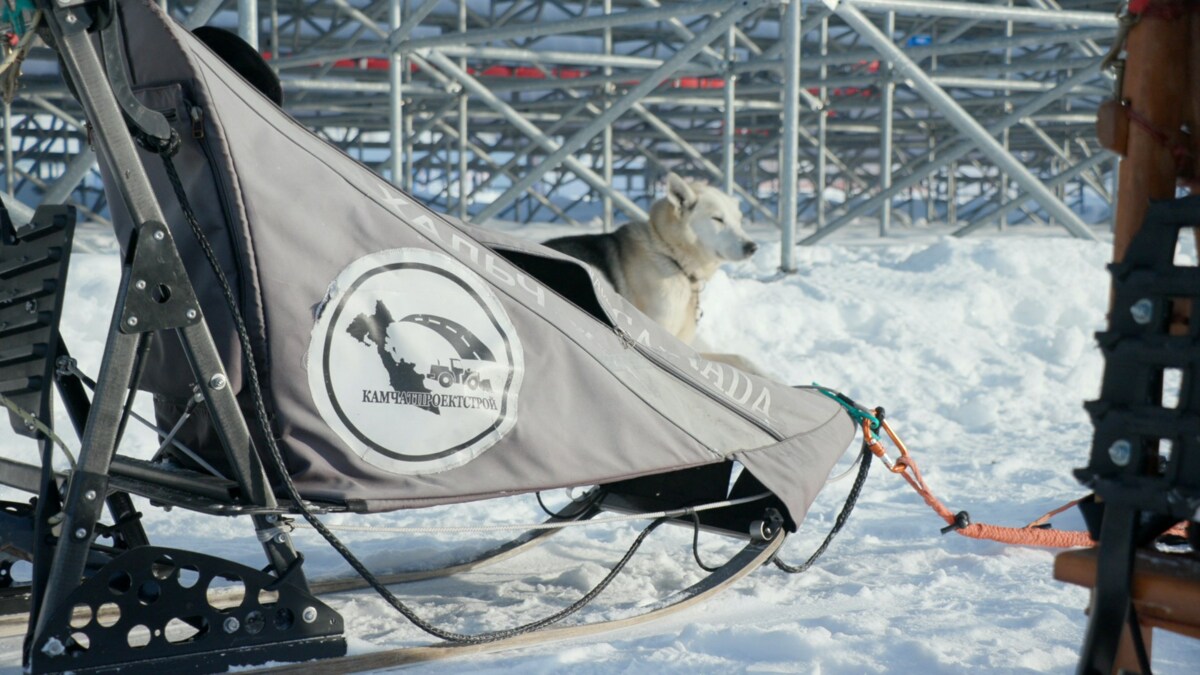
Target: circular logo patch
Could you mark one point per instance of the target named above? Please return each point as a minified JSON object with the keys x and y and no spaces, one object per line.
{"x":414,"y":362}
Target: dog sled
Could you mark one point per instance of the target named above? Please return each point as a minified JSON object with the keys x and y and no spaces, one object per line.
{"x":317,"y":342}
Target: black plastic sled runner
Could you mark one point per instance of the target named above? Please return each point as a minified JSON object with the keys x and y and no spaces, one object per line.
{"x":317,"y":341}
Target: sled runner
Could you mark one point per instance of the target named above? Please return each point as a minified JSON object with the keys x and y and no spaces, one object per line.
{"x":316,"y":341}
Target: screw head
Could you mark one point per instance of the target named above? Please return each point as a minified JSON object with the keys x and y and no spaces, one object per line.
{"x":81,"y":533}
{"x":217,"y":382}
{"x":71,"y":17}
{"x":281,"y":538}
{"x":54,"y":647}
{"x":1142,"y":311}
{"x":132,"y":321}
{"x":140,"y":284}
{"x":159,"y":235}
{"x":90,"y":495}
{"x":309,"y":615}
{"x":232,"y":625}
{"x":1120,"y":452}
{"x":191,"y":314}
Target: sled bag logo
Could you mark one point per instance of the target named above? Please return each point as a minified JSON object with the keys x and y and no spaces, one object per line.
{"x":414,"y":362}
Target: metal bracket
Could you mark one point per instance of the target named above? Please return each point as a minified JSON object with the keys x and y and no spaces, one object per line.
{"x":159,"y":610}
{"x":159,"y":295}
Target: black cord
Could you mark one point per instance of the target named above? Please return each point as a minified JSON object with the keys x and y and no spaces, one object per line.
{"x":696,"y":544}
{"x":277,"y":458}
{"x":851,"y":499}
{"x":139,"y":371}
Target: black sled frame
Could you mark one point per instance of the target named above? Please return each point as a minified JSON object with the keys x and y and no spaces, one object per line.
{"x":96,"y":584}
{"x":1145,"y":459}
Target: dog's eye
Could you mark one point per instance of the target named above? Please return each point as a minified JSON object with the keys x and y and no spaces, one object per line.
{"x":719,"y":219}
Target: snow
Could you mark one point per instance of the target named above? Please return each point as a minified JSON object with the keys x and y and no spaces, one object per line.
{"x":980,"y":349}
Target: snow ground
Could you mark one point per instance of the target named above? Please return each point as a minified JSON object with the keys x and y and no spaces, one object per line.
{"x":982,"y":352}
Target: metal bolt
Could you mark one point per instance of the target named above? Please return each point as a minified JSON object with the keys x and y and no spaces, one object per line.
{"x":232,"y":625}
{"x":81,"y":533}
{"x":140,"y":284}
{"x":54,"y":647}
{"x":191,"y":314}
{"x":71,"y":18}
{"x":90,"y":495}
{"x":1120,"y":452}
{"x":309,"y":615}
{"x":1142,"y":311}
{"x":281,"y":538}
{"x":159,"y":235}
{"x":217,"y":382}
{"x":132,"y":321}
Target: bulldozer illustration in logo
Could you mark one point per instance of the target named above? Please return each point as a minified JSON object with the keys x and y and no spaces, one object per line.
{"x":454,"y":373}
{"x":417,"y":364}
{"x":465,"y":344}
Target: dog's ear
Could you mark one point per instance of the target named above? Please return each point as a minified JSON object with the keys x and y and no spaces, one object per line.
{"x":679,"y":193}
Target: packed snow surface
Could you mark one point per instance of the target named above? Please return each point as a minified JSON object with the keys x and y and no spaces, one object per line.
{"x":980,"y":349}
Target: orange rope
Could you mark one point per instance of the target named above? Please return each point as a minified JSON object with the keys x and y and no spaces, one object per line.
{"x":1030,"y":535}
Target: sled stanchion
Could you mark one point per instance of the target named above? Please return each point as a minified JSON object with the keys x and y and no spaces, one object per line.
{"x":152,"y":265}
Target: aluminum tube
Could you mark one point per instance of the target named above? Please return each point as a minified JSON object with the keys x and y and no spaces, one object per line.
{"x":9,"y":168}
{"x":606,"y":219}
{"x":1009,"y":206}
{"x":690,"y":150}
{"x":886,"y":113}
{"x":18,"y":210}
{"x":76,"y":170}
{"x":248,"y":22}
{"x":822,"y":130}
{"x":727,"y":141}
{"x":1059,"y":152}
{"x":401,"y":33}
{"x":714,"y":29}
{"x":580,"y":24}
{"x":338,"y":85}
{"x":526,"y":127}
{"x":945,"y":49}
{"x":960,"y":148}
{"x":789,"y":139}
{"x":955,"y":115}
{"x":396,"y":99}
{"x":495,"y":166}
{"x":559,"y":57}
{"x":522,"y":31}
{"x":201,"y":13}
{"x":981,"y":12}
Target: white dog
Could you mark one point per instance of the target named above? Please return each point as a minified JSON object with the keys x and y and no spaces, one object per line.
{"x":661,"y":266}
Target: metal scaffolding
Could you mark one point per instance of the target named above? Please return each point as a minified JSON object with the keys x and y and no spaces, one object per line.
{"x":817,"y":114}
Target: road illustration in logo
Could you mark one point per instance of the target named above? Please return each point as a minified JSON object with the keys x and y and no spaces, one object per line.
{"x":425,"y":392}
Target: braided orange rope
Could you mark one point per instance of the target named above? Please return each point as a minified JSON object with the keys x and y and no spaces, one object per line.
{"x":1030,"y":535}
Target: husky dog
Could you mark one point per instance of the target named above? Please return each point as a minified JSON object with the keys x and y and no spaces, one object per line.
{"x":660,"y":266}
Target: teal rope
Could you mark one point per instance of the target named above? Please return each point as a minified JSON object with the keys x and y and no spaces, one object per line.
{"x":855,"y":412}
